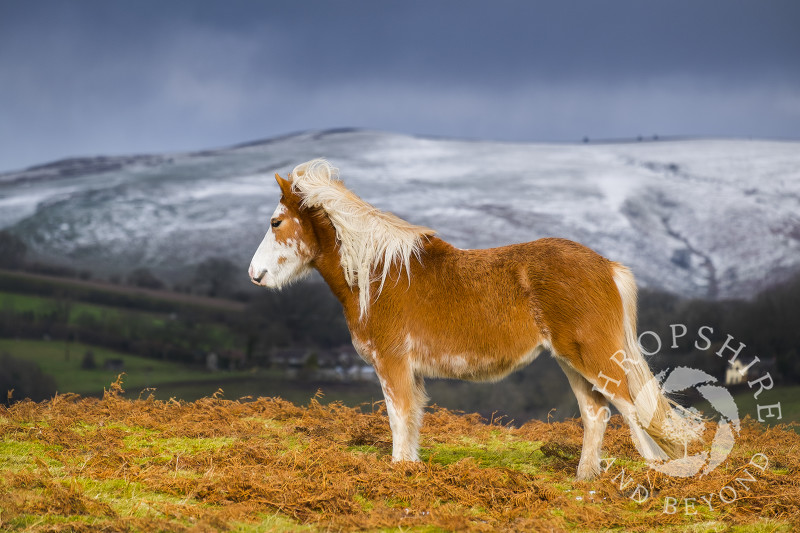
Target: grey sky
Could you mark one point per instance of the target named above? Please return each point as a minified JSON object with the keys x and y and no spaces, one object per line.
{"x":110,"y":77}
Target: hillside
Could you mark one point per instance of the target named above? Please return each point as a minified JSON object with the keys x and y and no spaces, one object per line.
{"x":699,"y":218}
{"x":268,"y":465}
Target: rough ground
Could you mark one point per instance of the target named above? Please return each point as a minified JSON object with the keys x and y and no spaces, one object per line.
{"x":112,"y":464}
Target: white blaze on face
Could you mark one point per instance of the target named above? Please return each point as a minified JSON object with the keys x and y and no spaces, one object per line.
{"x":278,"y":260}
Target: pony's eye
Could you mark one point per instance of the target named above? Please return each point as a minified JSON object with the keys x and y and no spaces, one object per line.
{"x":275,"y":222}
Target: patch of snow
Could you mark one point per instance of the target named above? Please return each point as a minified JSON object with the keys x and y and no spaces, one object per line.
{"x":702,"y":218}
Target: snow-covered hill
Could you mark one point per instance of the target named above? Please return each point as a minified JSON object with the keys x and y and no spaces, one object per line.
{"x":705,"y":218}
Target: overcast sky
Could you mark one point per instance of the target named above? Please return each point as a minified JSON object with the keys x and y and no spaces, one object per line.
{"x":112,"y":77}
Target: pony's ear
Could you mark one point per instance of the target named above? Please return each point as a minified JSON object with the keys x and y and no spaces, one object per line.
{"x":285,"y":185}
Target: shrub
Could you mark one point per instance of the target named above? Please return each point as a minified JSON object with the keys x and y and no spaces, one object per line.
{"x":25,"y":378}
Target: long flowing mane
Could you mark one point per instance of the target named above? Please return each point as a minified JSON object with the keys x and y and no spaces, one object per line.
{"x":368,"y":237}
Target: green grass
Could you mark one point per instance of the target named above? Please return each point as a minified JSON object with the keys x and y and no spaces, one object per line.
{"x":128,"y":323}
{"x":787,"y":396}
{"x":21,"y":454}
{"x":128,"y":498}
{"x":165,"y":448}
{"x":78,"y":311}
{"x":63,"y":361}
{"x":499,"y":451}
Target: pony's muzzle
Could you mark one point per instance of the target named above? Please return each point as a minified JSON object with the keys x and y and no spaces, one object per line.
{"x":256,"y":277}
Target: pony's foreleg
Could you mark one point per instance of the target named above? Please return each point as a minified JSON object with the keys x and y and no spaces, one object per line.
{"x":404,"y":392}
{"x":594,"y":415}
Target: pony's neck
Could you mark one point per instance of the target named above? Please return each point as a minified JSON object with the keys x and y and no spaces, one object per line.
{"x":328,"y":264}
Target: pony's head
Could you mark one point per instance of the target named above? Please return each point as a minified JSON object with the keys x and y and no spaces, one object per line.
{"x":286,"y":252}
{"x":369,"y":242}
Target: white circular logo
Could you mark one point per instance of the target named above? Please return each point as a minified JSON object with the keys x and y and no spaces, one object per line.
{"x":687,"y":425}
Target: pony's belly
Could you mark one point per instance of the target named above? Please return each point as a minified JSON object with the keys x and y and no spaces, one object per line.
{"x":474,"y":367}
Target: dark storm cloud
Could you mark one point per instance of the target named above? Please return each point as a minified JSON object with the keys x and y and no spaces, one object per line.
{"x":108,"y":77}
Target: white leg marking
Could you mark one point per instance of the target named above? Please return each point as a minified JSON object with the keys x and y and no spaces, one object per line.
{"x":405,"y":414}
{"x":594,"y":415}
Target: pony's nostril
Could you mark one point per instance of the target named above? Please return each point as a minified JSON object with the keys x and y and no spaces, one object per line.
{"x":257,"y":277}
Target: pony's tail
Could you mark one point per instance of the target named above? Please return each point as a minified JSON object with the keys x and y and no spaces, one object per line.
{"x":654,"y":412}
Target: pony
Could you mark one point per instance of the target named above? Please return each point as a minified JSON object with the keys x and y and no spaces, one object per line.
{"x":419,"y":307}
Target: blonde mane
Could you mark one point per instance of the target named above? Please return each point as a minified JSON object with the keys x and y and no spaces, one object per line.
{"x":367,"y":236}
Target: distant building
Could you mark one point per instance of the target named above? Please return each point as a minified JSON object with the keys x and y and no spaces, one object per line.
{"x":735,"y":373}
{"x":290,"y":357}
{"x":338,"y":364}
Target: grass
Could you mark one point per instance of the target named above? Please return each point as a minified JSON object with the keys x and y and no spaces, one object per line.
{"x":787,"y":396}
{"x":268,"y":465}
{"x":499,"y":449}
{"x":126,"y":322}
{"x":63,"y":361}
{"x":18,"y":455}
{"x":43,"y":306}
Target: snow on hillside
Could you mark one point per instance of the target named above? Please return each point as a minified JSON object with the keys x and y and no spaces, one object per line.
{"x":705,"y":218}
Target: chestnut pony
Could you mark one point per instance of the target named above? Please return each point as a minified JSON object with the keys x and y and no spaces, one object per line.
{"x":417,"y":306}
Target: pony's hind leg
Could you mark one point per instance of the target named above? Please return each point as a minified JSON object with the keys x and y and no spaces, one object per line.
{"x":594,"y":415}
{"x":404,"y":392}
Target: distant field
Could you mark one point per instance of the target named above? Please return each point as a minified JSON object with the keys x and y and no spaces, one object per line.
{"x":75,"y":312}
{"x":788,"y":397}
{"x":173,"y":380}
{"x":40,"y":306}
{"x":63,"y":361}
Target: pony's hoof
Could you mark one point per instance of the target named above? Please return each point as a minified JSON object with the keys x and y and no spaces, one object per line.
{"x":586,"y":473}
